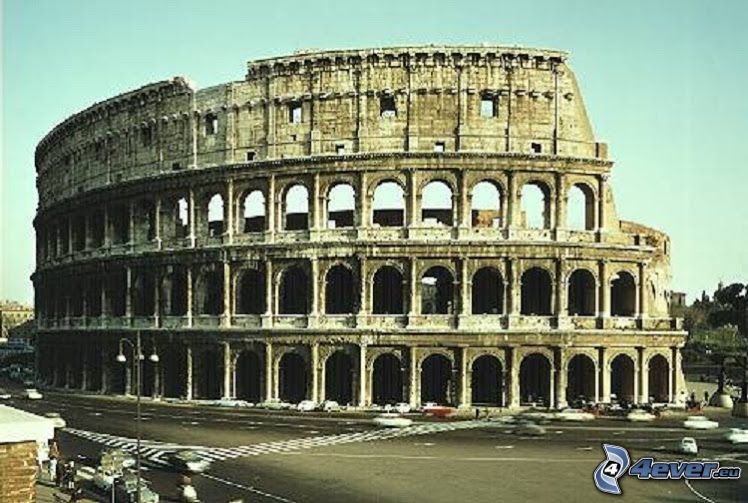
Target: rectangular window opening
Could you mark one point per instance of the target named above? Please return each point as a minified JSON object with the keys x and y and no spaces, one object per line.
{"x":488,"y":107}
{"x":387,"y":106}
{"x":250,"y":156}
{"x":211,"y":124}
{"x":294,"y":112}
{"x":340,"y":149}
{"x":439,"y":146}
{"x":536,"y":148}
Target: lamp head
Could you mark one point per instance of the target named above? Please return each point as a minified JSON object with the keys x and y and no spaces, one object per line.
{"x":121,"y":358}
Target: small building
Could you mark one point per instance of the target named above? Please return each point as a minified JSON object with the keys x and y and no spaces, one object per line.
{"x":13,"y":314}
{"x":21,"y":434}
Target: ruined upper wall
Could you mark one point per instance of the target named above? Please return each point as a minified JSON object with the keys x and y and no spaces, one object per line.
{"x":338,"y":95}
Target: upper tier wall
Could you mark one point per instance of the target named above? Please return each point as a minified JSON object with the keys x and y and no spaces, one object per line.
{"x":436,"y":91}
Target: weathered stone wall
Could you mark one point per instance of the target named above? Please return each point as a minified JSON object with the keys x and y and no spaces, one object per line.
{"x":18,"y":472}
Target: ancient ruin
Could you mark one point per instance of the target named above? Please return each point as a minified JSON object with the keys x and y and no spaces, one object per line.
{"x":415,"y":224}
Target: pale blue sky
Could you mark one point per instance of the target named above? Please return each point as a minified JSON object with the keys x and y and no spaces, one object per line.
{"x":665,"y":84}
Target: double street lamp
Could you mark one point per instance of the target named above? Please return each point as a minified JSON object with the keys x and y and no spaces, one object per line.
{"x":138,"y":364}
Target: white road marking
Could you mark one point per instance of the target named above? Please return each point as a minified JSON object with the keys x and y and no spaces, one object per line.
{"x":697,"y":493}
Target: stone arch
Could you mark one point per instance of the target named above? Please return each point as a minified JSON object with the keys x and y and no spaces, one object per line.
{"x":388,"y":291}
{"x":437,"y":381}
{"x":622,"y":377}
{"x":535,"y":205}
{"x":623,"y":294}
{"x":143,"y":293}
{"x":341,"y":205}
{"x":387,"y":379}
{"x":249,"y":376}
{"x":339,"y":290}
{"x":537,"y":289}
{"x":487,"y":291}
{"x":581,"y":371}
{"x":292,"y":377}
{"x":254,"y":211}
{"x":388,"y":204}
{"x":485,"y":204}
{"x":339,"y":370}
{"x":250,"y":292}
{"x":215,"y":215}
{"x":658,"y":371}
{"x":535,"y":373}
{"x":174,"y":291}
{"x":486,"y":378}
{"x":437,"y":291}
{"x":580,"y":207}
{"x":582,"y":293}
{"x":294,"y":291}
{"x":209,"y":371}
{"x":437,"y":203}
{"x":295,"y":207}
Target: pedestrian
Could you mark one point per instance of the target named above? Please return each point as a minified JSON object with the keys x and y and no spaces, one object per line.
{"x":477,"y":413}
{"x":185,"y":491}
{"x":54,"y":455}
{"x":706,"y":397}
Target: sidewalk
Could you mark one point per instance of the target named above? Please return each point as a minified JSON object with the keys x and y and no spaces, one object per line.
{"x":46,"y":492}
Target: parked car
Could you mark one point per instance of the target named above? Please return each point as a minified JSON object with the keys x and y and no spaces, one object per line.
{"x":529,"y":429}
{"x":188,"y":461}
{"x":576,"y":415}
{"x":402,"y":408}
{"x":276,"y":404}
{"x":306,"y":406}
{"x":737,"y":436}
{"x":126,"y":490}
{"x":57,"y":420}
{"x":640,"y":416}
{"x":330,"y":406}
{"x":688,"y":446}
{"x":4,"y":395}
{"x":700,"y":423}
{"x":233,"y":403}
{"x":32,"y":394}
{"x":392,"y":420}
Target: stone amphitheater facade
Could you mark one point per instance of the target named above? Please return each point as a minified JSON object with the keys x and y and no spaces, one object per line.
{"x":274,"y":238}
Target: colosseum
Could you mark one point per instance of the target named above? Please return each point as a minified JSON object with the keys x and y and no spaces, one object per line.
{"x":409,"y":224}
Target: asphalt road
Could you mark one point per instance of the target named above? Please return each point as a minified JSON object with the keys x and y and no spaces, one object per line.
{"x":273,"y":459}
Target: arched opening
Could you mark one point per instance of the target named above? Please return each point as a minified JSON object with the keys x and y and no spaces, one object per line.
{"x":210,"y":293}
{"x":254,"y":211}
{"x":116,"y":293}
{"x":486,"y":205}
{"x":436,"y":204}
{"x":487,"y":292}
{"x":292,"y":377}
{"x":248,"y":377}
{"x":659,"y":370}
{"x":210,"y":372}
{"x":580,"y":208}
{"x":535,"y":380}
{"x":251,"y":292}
{"x":623,"y":295}
{"x":182,"y":219}
{"x":173,"y":366}
{"x":294,"y":291}
{"x":487,"y":381}
{"x":143,"y":291}
{"x":582,"y":293}
{"x":437,"y":291}
{"x":535,"y":206}
{"x":622,"y":378}
{"x":580,"y":379}
{"x":296,"y":205}
{"x":387,"y":380}
{"x":339,"y":294}
{"x":175,"y":292}
{"x":339,"y":378}
{"x":388,"y":291}
{"x":215,"y":216}
{"x":536,"y":292}
{"x":341,"y":204}
{"x":388,"y":208}
{"x":436,"y":380}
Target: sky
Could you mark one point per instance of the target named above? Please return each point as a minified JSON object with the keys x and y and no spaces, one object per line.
{"x":664,"y":84}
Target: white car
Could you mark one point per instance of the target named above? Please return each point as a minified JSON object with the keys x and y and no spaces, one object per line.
{"x":737,"y":436}
{"x":530,"y":430}
{"x":306,"y":406}
{"x":392,"y":420}
{"x":575,"y":415}
{"x":688,"y":446}
{"x":640,"y":416}
{"x":32,"y":394}
{"x":275,"y":404}
{"x":56,"y":419}
{"x":402,"y":408}
{"x":700,"y":423}
{"x":233,"y":403}
{"x":330,"y":406}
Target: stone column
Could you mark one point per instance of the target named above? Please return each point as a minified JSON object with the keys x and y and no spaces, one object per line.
{"x":314,"y":358}
{"x":269,"y":312}
{"x":128,"y":297}
{"x":227,"y":391}
{"x":601,"y":213}
{"x":413,"y":307}
{"x":464,"y":206}
{"x":511,"y":201}
{"x":415,"y":374}
{"x":637,"y":376}
{"x":604,"y":374}
{"x":191,"y":210}
{"x":642,"y":311}
{"x":412,"y":216}
{"x":561,"y":378}
{"x":603,"y":293}
{"x":561,"y":288}
{"x":515,"y":290}
{"x":364,"y":219}
{"x":270,"y":209}
{"x":188,"y":373}
{"x":190,"y":297}
{"x":464,"y":388}
{"x":513,"y":374}
{"x":315,"y":291}
{"x":104,"y":371}
{"x":229,"y":208}
{"x":130,"y":223}
{"x":465,"y":288}
{"x":560,"y":193}
{"x":227,"y":295}
{"x":316,"y":205}
{"x":269,"y":378}
{"x":84,"y":370}
{"x":643,"y":376}
{"x":128,"y":374}
{"x":363,"y":301}
{"x":157,"y":222}
{"x":363,"y":399}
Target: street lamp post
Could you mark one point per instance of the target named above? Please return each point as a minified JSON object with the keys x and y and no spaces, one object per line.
{"x":138,"y":364}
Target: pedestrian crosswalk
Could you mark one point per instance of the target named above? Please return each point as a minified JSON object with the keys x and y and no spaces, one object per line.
{"x":157,"y":452}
